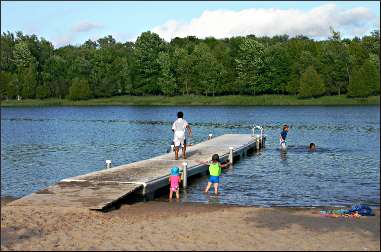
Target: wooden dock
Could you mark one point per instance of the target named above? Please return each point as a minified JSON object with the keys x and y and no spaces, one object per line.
{"x":99,"y":190}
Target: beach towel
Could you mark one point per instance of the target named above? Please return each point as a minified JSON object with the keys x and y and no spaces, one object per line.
{"x":355,"y":212}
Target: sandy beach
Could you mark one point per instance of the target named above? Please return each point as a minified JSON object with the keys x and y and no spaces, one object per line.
{"x":159,"y":225}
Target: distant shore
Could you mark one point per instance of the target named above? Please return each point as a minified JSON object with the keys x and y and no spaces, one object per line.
{"x":230,"y":100}
{"x":159,"y":225}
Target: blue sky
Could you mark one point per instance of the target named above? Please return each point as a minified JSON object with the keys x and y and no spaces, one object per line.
{"x":74,"y":22}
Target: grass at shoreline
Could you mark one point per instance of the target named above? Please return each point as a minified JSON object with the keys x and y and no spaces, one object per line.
{"x":231,"y":100}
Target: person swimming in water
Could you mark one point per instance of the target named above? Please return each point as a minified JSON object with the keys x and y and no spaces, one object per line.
{"x":312,"y":147}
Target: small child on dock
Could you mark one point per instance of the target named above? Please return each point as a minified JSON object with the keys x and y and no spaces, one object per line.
{"x":174,"y":180}
{"x":215,"y":172}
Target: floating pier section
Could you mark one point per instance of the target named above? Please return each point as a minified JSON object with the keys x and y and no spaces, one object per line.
{"x":101,"y":189}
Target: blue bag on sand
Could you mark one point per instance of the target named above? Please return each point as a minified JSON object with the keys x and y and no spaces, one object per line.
{"x":362,"y":209}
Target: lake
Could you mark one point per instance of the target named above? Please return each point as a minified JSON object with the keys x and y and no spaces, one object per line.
{"x":40,"y":146}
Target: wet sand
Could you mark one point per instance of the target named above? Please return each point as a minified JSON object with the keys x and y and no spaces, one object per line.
{"x":159,"y":225}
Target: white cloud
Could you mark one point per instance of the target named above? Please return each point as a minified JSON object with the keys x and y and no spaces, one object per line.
{"x":63,"y":40}
{"x":86,"y":26}
{"x":269,"y":22}
{"x":71,"y":36}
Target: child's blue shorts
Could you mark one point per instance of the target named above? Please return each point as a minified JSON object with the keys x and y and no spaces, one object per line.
{"x":214,"y":179}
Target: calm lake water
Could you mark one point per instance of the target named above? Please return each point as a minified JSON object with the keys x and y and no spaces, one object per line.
{"x":40,"y":146}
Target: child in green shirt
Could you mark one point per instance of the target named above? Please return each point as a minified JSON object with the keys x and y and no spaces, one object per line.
{"x":215,"y":172}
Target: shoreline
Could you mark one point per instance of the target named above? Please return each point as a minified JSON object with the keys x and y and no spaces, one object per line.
{"x":229,"y":100}
{"x":163,"y":198}
{"x":160,"y":225}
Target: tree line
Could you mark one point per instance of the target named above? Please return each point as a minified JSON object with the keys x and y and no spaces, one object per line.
{"x":32,"y":68}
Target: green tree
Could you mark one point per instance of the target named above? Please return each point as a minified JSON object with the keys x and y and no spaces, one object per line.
{"x":106,"y":42}
{"x":276,"y":68}
{"x":22,"y":56}
{"x":249,"y":62}
{"x":371,"y":43}
{"x":183,"y":70}
{"x":55,"y":76}
{"x":335,"y":60}
{"x":26,"y":70}
{"x":166,"y":79}
{"x":79,"y":90}
{"x":206,"y":70}
{"x":7,"y":41}
{"x":292,"y":86}
{"x":364,"y":81}
{"x":375,"y":62}
{"x":42,"y":92}
{"x":311,"y":84}
{"x":28,"y":82}
{"x":102,"y":78}
{"x":122,"y":75}
{"x":147,"y":48}
{"x":302,"y":53}
{"x":5,"y":80}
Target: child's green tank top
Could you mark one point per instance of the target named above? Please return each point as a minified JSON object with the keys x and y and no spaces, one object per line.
{"x":215,"y":169}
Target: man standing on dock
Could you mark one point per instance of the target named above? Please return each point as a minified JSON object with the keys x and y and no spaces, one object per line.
{"x":178,"y":129}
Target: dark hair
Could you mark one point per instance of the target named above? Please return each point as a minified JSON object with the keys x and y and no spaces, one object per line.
{"x":180,"y":114}
{"x":285,"y":126}
{"x":215,"y":157}
{"x":311,"y":144}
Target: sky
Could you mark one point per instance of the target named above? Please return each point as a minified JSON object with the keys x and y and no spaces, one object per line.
{"x":74,"y":22}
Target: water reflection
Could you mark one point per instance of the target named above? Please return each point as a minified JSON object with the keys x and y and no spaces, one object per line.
{"x":283,"y":154}
{"x":213,"y":199}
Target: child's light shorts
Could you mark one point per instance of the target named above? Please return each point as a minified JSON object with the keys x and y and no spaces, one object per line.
{"x":179,"y":138}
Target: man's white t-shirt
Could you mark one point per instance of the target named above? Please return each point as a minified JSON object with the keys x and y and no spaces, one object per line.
{"x":179,"y":127}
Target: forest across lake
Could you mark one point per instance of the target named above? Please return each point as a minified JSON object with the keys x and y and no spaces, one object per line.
{"x":244,"y":65}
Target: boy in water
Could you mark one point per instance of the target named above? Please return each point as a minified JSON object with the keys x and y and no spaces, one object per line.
{"x":215,"y":172}
{"x":174,"y":181}
{"x":312,"y":147}
{"x":283,"y":136}
{"x":178,"y":129}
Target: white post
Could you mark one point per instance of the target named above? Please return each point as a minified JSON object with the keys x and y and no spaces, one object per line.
{"x":172,"y":147}
{"x":231,"y":155}
{"x":210,"y":136}
{"x":108,"y":164}
{"x":257,"y":142}
{"x":185,"y":182}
